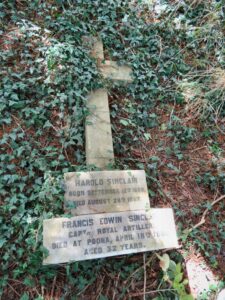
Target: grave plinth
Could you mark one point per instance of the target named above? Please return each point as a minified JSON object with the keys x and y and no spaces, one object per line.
{"x":106,"y":191}
{"x":103,"y":235}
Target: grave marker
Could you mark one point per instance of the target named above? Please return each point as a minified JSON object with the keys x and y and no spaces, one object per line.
{"x":114,"y":214}
{"x":98,"y":133}
{"x":106,"y":191}
{"x":103,"y":235}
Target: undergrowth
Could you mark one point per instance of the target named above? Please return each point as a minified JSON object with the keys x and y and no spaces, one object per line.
{"x":177,"y":59}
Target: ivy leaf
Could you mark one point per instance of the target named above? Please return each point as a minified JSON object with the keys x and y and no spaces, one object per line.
{"x":47,"y":124}
{"x":147,"y":136}
{"x":25,"y":296}
{"x":124,"y":122}
{"x":29,"y":282}
{"x":2,"y":242}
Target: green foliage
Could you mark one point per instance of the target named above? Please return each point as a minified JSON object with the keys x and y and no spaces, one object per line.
{"x":204,"y":240}
{"x":183,"y":135}
{"x":46,"y":75}
{"x":43,"y":88}
{"x":174,"y":275}
{"x":213,"y":181}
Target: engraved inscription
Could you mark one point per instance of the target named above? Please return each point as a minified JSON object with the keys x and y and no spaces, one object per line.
{"x":105,"y":191}
{"x":102,"y":235}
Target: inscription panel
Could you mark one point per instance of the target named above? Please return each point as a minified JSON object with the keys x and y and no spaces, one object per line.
{"x":105,"y":191}
{"x":103,"y":235}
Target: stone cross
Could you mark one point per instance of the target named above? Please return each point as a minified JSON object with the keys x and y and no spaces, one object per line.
{"x":112,"y":214}
{"x":98,"y":134}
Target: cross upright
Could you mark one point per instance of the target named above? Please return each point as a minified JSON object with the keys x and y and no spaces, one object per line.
{"x":98,"y":133}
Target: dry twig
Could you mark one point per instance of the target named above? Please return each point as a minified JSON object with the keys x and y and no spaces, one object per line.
{"x":12,"y":288}
{"x":116,"y":284}
{"x":53,"y":287}
{"x":138,"y":269}
{"x":202,"y":221}
{"x":144,"y":266}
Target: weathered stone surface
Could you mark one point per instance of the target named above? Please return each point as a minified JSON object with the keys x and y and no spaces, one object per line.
{"x":103,"y":235}
{"x":221,"y":295}
{"x":98,"y":101}
{"x":98,"y":134}
{"x":95,"y":45}
{"x":106,"y":191}
{"x":111,"y":70}
{"x":97,"y":50}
